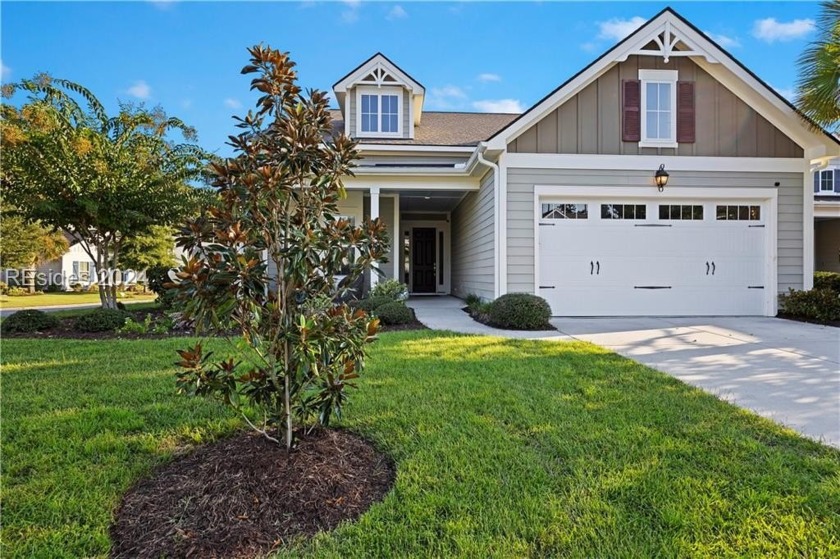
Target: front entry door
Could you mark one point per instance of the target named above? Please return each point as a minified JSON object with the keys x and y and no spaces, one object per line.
{"x":423,"y":250}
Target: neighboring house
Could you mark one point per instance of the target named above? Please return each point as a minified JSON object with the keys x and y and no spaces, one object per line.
{"x":827,"y":217}
{"x":561,"y":201}
{"x":74,"y":266}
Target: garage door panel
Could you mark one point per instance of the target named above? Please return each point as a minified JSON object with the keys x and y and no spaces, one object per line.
{"x":615,"y":267}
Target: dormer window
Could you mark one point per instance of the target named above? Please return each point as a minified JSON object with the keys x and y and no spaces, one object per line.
{"x":380,"y":113}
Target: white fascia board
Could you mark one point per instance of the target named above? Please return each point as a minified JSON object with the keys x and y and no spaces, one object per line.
{"x":462,"y":183}
{"x":826,"y":209}
{"x":408,"y":149}
{"x":652,"y":162}
{"x":411,"y":171}
{"x":365,"y":69}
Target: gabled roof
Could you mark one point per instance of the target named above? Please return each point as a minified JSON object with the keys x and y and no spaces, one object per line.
{"x":682,"y":38}
{"x":378,"y":60}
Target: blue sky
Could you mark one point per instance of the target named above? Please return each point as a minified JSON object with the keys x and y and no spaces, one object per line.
{"x":501,"y":56}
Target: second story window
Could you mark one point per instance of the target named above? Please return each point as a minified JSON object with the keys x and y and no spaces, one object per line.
{"x":658,"y":103}
{"x":379,"y":114}
{"x":827,"y":180}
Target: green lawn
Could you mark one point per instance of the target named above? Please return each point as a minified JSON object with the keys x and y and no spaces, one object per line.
{"x":49,"y":299}
{"x":503,"y":449}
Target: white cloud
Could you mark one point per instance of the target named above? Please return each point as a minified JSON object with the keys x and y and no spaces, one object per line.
{"x":140,"y":89}
{"x":616,"y":29}
{"x":231,"y":103}
{"x":448,"y":97}
{"x":499,"y":106}
{"x":397,"y":12}
{"x":5,"y":71}
{"x":770,"y":30}
{"x":351,"y":14}
{"x":724,"y":40}
{"x":488,"y":77}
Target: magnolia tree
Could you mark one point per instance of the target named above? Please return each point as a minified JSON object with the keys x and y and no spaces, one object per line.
{"x":102,"y":180}
{"x":265,"y":260}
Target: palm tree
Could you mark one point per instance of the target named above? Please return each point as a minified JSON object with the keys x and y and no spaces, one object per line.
{"x":818,"y":89}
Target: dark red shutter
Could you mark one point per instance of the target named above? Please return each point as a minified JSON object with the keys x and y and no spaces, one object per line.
{"x":631,"y":103}
{"x":685,"y":113}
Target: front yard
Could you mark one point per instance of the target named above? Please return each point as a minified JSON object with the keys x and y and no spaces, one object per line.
{"x":56,"y":299}
{"x":503,"y":448}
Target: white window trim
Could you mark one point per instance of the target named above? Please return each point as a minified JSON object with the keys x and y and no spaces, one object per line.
{"x":379,"y":92}
{"x":830,"y":191}
{"x":658,"y":76}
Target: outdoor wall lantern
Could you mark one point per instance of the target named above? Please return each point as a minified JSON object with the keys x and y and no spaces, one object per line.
{"x":661,"y":177}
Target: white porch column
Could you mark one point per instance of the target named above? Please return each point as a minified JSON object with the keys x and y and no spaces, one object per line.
{"x":397,"y":240}
{"x":374,"y":213}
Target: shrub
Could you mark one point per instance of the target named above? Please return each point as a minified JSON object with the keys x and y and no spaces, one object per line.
{"x":822,"y":305}
{"x":393,"y":289}
{"x":77,"y":287}
{"x":101,"y":320}
{"x":519,"y":311}
{"x":54,"y":288}
{"x":157,"y":278}
{"x":472,"y":300}
{"x":4,"y":288}
{"x":29,"y":320}
{"x":133,"y":327}
{"x":827,"y":280}
{"x":17,"y":292}
{"x":373,"y":303}
{"x":394,"y":312}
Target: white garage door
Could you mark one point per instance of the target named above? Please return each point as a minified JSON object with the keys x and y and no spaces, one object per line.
{"x":663,"y":258}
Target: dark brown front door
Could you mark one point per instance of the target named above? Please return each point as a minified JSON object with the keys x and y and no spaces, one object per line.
{"x":423,"y":259}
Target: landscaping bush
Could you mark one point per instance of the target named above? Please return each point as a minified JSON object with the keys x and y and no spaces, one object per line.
{"x":29,"y":320}
{"x":519,"y":311}
{"x":393,"y":289}
{"x":393,"y":313}
{"x":827,"y":280}
{"x":822,"y":305}
{"x":156,"y":278}
{"x":4,"y":288}
{"x":17,"y":292}
{"x":101,"y":320}
{"x":54,"y":288}
{"x":372,"y":303}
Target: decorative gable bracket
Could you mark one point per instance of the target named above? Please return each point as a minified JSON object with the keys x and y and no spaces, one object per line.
{"x":667,"y":43}
{"x":380,"y":76}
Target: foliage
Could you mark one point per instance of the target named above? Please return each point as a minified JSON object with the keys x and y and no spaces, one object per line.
{"x":4,"y":288}
{"x":279,"y":197}
{"x":822,"y":305}
{"x":502,"y":447}
{"x":394,"y":289}
{"x":394,"y":313}
{"x":818,"y":88}
{"x":370,"y":304}
{"x":472,"y":299}
{"x":159,"y":282}
{"x":148,"y":326}
{"x":827,"y":280}
{"x":520,"y":311}
{"x":101,"y":320}
{"x":16,"y":291}
{"x":28,"y":320}
{"x":25,"y":245}
{"x":100,"y":179}
{"x":149,"y":249}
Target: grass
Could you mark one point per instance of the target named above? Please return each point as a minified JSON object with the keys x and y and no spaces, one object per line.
{"x":50,"y":299}
{"x":504,"y":448}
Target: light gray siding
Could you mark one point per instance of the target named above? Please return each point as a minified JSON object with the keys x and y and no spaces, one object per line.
{"x":386,"y":214}
{"x":473,"y":234}
{"x":590,"y":122}
{"x":520,"y":212}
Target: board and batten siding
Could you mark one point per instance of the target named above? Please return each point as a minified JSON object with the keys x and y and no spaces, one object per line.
{"x":520,"y":212}
{"x":352,"y":109}
{"x":473,"y":235}
{"x":590,"y":122}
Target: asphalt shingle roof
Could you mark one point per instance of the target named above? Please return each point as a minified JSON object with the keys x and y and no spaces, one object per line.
{"x":443,"y":128}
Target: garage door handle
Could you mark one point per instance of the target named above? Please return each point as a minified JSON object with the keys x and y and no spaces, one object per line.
{"x":598,"y":268}
{"x":755,"y":287}
{"x":591,"y":267}
{"x":651,"y":287}
{"x":651,"y":225}
{"x":713,"y":268}
{"x":707,"y":268}
{"x":546,"y":287}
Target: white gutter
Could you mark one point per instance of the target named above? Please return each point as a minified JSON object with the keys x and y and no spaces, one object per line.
{"x":497,"y":220}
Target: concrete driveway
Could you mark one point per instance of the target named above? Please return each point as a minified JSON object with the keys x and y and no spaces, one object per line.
{"x":784,"y":370}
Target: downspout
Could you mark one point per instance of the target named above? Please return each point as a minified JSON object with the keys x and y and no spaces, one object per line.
{"x":497,"y":218}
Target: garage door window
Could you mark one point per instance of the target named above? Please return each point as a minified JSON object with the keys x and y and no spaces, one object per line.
{"x":738,"y":213}
{"x":565,"y":211}
{"x":682,"y":212}
{"x":623,"y":211}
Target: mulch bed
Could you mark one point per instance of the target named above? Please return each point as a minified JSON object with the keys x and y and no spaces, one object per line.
{"x":245,"y":496}
{"x":67,"y":330}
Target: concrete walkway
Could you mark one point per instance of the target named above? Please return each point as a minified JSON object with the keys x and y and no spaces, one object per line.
{"x":784,"y":370}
